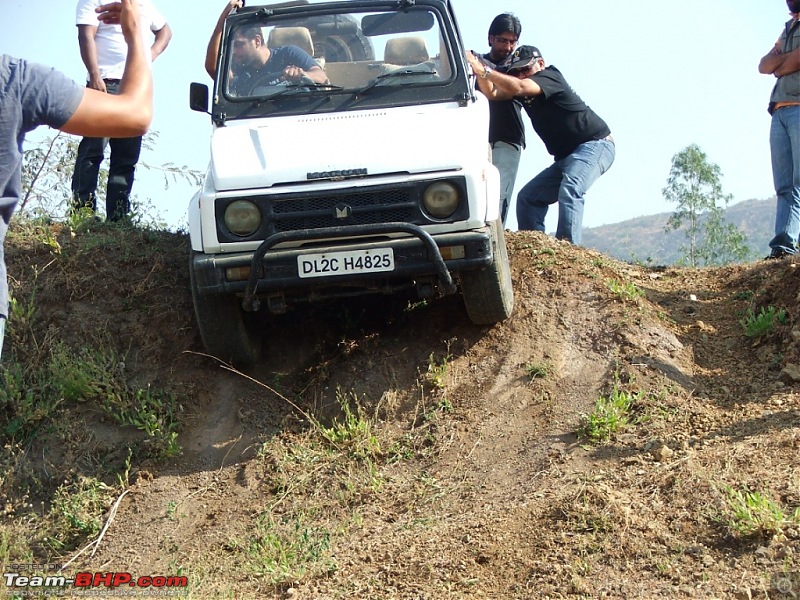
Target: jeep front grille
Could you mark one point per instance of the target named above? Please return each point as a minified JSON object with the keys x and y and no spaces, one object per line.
{"x":391,"y":203}
{"x":330,"y":210}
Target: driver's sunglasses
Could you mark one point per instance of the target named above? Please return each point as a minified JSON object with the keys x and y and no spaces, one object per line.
{"x":506,"y":41}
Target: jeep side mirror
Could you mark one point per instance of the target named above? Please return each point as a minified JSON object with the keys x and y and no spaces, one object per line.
{"x":198,"y":97}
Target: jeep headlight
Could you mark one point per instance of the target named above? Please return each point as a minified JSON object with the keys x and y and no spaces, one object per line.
{"x":242,"y":217}
{"x":440,"y":199}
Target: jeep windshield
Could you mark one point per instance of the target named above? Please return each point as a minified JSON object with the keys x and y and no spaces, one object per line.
{"x":337,"y":56}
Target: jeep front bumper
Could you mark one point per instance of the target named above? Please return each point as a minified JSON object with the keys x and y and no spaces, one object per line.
{"x":269,"y":272}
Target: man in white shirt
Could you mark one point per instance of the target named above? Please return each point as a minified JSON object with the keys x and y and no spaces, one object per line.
{"x":103,"y":51}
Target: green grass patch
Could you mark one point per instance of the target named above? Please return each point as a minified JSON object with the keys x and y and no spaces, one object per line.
{"x":611,"y":413}
{"x":352,"y":432}
{"x":754,"y":513}
{"x":77,"y":513}
{"x":538,"y":370}
{"x":757,"y":324}
{"x":625,"y":290}
{"x":286,"y":550}
{"x":60,"y":376}
{"x":436,"y":374}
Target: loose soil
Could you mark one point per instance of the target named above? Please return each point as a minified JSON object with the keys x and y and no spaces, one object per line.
{"x":472,"y":480}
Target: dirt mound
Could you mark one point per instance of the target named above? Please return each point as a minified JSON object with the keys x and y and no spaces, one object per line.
{"x":387,"y":449}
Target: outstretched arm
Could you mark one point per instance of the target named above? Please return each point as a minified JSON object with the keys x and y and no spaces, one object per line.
{"x":130,"y":112}
{"x":216,"y":38}
{"x":499,"y":86}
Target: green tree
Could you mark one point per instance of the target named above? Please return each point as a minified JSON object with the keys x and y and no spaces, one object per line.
{"x":694,"y":185}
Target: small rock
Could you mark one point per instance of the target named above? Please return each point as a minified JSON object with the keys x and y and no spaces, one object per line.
{"x":765,"y":353}
{"x":732,"y":343}
{"x":791,"y":373}
{"x":796,"y":335}
{"x":692,"y":297}
{"x":661,"y":452}
{"x":762,"y":551}
{"x":743,"y":594}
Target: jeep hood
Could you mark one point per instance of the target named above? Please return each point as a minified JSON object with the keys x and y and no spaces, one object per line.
{"x":258,"y":153}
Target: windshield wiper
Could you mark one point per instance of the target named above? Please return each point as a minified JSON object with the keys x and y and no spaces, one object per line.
{"x":399,"y":73}
{"x":285,"y":88}
{"x":325,"y":86}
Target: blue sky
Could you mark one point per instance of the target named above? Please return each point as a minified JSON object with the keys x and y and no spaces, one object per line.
{"x":663,"y":75}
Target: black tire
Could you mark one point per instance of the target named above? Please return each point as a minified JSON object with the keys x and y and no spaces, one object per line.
{"x":488,"y":292}
{"x":228,"y":332}
{"x":346,"y":44}
{"x":336,"y":48}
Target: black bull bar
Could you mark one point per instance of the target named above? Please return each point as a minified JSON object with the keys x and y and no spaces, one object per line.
{"x":250,"y":302}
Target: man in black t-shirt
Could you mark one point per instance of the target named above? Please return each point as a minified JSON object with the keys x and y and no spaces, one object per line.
{"x":578,"y":139}
{"x":506,"y":129}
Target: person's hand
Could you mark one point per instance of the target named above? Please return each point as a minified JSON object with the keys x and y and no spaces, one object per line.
{"x":476,"y":64}
{"x":124,"y":13}
{"x":293,"y":72}
{"x":229,"y":8}
{"x":96,"y":83}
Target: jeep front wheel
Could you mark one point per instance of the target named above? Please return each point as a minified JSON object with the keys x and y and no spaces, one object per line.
{"x":488,"y":292}
{"x":228,"y":332}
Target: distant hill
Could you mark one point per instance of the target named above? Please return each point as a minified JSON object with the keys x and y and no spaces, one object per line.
{"x":644,"y":240}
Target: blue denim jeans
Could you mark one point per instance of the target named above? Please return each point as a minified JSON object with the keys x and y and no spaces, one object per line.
{"x":565,"y":181}
{"x":121,"y":169}
{"x":506,"y":157}
{"x":784,"y":143}
{"x":2,"y":334}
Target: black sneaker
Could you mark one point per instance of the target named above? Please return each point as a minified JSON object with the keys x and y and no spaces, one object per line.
{"x":777,"y":253}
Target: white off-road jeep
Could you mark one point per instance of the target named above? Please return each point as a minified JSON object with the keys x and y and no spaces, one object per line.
{"x":377,"y":181}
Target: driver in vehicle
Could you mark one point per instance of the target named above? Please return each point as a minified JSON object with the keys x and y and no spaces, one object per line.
{"x":254,"y":65}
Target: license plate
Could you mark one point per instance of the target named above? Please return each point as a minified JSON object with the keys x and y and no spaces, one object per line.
{"x":329,"y":264}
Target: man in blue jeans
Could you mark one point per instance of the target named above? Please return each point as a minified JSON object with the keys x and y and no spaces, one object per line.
{"x":783,"y":61}
{"x":33,"y":95}
{"x":578,"y":139}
